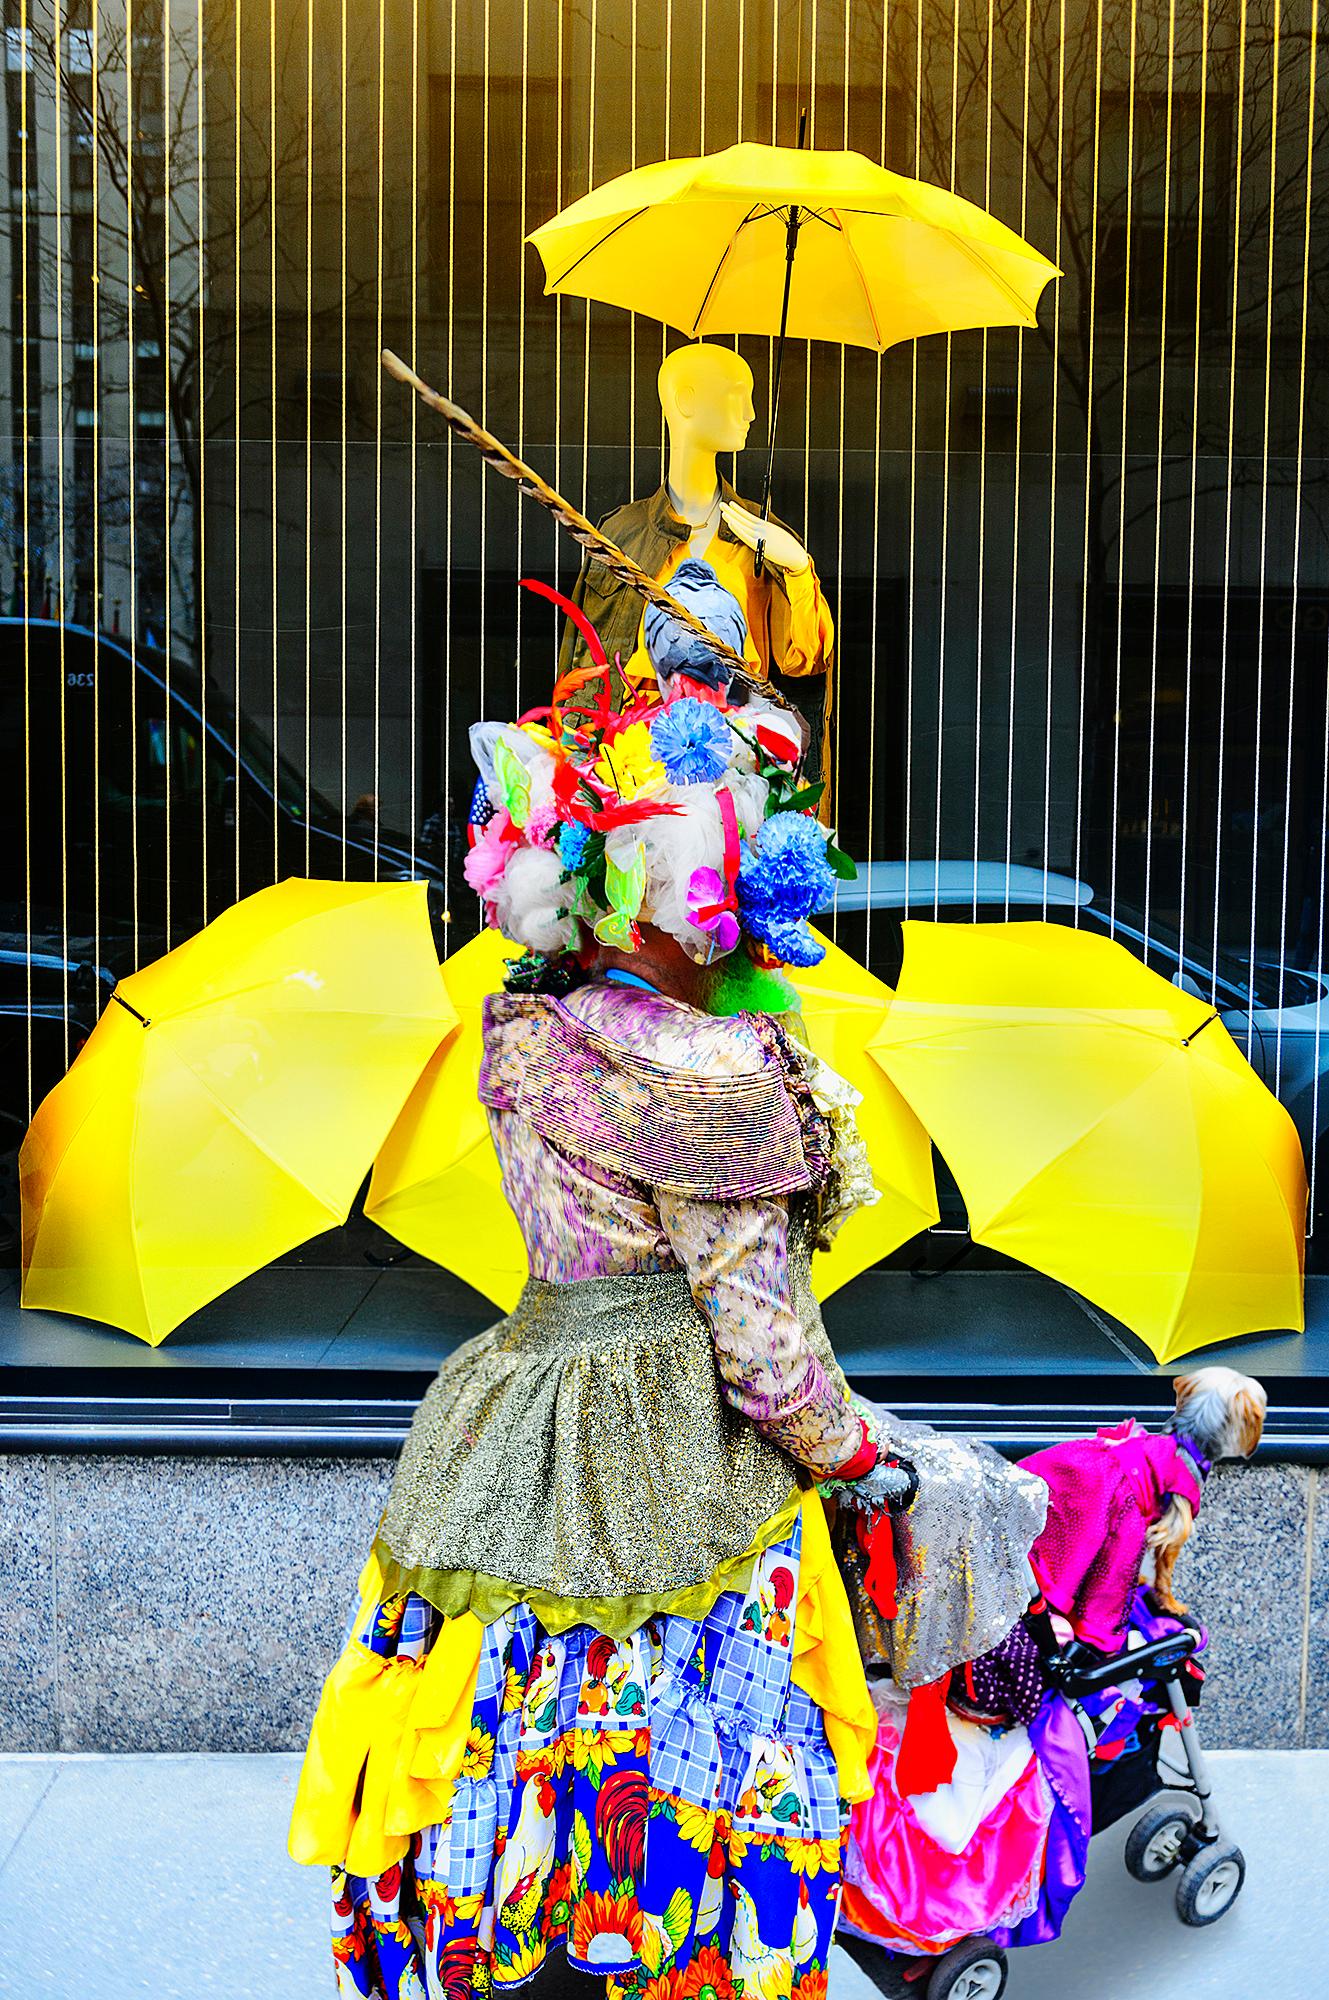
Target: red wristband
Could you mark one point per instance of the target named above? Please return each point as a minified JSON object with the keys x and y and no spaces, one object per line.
{"x":862,"y":1461}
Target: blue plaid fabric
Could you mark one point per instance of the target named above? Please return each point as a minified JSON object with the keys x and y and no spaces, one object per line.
{"x":607,"y":1781}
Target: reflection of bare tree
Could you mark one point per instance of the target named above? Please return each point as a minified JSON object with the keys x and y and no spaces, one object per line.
{"x":1136,"y":131}
{"x":185,"y":159}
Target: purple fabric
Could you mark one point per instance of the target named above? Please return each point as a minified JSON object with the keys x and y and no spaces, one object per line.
{"x":1063,"y":1754}
{"x":1005,"y":1683}
{"x":1105,"y":1491}
{"x":1115,"y":1715}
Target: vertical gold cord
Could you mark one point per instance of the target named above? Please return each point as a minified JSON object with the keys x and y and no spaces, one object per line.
{"x":1188,"y":669}
{"x":1158,"y":476}
{"x":945,"y":495}
{"x":1052,"y":462}
{"x":1231,"y":455}
{"x":132,"y":366}
{"x":1017,"y":457}
{"x":1114,"y":823}
{"x":95,"y":100}
{"x":1264,"y":523}
{"x":57,"y":31}
{"x":272,"y":426}
{"x":164,"y":361}
{"x":378,"y":422}
{"x":1090,"y":321}
{"x":201,"y":526}
{"x":343,"y":304}
{"x":309,"y":411}
{"x":25,"y":335}
{"x":1296,"y":546}
{"x":237,"y":815}
{"x":413,"y":592}
{"x":980,"y":567}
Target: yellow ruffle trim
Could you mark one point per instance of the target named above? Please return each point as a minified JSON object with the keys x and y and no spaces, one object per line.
{"x":827,"y":1663}
{"x":390,"y":1735}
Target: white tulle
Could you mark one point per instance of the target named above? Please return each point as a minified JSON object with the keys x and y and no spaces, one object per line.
{"x":530,"y":906}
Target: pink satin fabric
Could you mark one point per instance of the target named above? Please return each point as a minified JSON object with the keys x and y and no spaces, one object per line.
{"x":907,"y":1892}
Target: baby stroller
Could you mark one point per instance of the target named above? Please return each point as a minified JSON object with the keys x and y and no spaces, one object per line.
{"x":1129,"y":1706}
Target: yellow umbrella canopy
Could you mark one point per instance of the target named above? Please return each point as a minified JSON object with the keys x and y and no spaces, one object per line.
{"x":436,"y":1184}
{"x":843,"y":1006}
{"x":229,"y":1102}
{"x":1103,"y":1127}
{"x":704,"y":245}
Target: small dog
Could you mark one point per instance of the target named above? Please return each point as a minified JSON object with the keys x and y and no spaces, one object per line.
{"x":1124,"y":1502}
{"x":1219,"y":1414}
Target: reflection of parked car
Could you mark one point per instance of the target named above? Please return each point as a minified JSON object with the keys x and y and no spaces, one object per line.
{"x":1281,"y":1018}
{"x":129,"y":816}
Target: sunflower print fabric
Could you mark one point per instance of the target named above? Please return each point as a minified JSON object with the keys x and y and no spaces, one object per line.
{"x":662,"y":1807}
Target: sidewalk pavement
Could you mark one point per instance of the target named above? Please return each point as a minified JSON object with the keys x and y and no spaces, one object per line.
{"x":168,"y":1876}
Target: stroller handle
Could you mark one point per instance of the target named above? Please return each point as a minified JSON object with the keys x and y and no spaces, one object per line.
{"x":1081,"y":1671}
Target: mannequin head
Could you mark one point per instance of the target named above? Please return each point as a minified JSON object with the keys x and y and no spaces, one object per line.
{"x":706,"y":396}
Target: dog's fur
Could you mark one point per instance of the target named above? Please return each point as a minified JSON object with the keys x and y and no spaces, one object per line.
{"x":1222,"y":1413}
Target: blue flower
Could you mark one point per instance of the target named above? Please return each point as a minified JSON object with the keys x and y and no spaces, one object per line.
{"x":693,"y":742}
{"x":783,"y":877}
{"x":572,"y":843}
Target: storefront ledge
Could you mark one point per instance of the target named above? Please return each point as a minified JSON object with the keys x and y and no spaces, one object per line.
{"x":1013,"y":1416}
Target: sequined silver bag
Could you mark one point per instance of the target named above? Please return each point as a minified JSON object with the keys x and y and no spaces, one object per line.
{"x":961,"y":1551}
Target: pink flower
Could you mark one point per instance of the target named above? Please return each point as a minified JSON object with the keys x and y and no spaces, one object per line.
{"x":542,"y":826}
{"x":484,"y":865}
{"x":711,"y":906}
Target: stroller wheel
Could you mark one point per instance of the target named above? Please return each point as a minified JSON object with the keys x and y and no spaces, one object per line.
{"x":1210,"y":1884}
{"x":1154,"y":1843}
{"x":974,"y":1970}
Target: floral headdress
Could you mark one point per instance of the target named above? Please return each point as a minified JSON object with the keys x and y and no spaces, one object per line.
{"x":684,"y":810}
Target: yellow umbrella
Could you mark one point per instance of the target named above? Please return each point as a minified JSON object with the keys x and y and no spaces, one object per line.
{"x":706,"y":244}
{"x":843,"y":1006}
{"x":1103,"y":1127}
{"x":229,"y":1101}
{"x":436,"y":1185}
{"x":777,"y":239}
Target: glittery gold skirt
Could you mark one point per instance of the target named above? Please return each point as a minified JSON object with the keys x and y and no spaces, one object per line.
{"x":580,"y":1457}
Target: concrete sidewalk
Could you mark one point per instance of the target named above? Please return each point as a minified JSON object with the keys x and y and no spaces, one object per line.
{"x":168,"y":1876}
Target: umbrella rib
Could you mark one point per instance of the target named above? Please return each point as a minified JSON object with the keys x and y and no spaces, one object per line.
{"x":1027,"y":318}
{"x":755,"y":214}
{"x":1114,"y":1105}
{"x":852,"y":255}
{"x":591,"y":249}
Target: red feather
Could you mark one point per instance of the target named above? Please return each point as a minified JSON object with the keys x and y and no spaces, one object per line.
{"x":629,"y":813}
{"x":574,"y":612}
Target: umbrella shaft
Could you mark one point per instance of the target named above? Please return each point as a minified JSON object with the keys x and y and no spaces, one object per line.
{"x":791,"y":245}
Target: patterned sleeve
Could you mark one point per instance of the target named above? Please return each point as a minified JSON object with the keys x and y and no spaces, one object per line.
{"x":736,"y":1257}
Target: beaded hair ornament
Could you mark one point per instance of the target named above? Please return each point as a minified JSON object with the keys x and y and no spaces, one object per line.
{"x":684,"y":809}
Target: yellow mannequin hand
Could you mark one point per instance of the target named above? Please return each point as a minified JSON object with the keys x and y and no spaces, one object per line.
{"x":782,"y":550}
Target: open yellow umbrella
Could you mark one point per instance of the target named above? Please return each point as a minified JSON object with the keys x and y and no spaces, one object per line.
{"x":436,"y":1184}
{"x":229,"y":1101}
{"x":843,"y":1007}
{"x":1103,"y":1127}
{"x":779,"y":239}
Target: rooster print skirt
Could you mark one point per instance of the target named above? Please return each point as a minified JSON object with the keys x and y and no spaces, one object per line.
{"x":663,"y":1807}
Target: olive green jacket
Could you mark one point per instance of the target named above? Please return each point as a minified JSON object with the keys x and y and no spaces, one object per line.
{"x":649,"y":531}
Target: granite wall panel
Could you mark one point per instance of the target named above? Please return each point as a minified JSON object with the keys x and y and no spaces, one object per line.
{"x":160,"y":1603}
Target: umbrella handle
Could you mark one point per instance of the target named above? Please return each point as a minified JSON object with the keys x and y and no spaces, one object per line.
{"x":790,"y":246}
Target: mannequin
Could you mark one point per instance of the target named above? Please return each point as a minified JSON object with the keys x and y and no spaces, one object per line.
{"x":706,"y":396}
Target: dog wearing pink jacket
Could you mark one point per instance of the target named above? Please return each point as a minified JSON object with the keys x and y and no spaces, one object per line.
{"x":1126,"y":1495}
